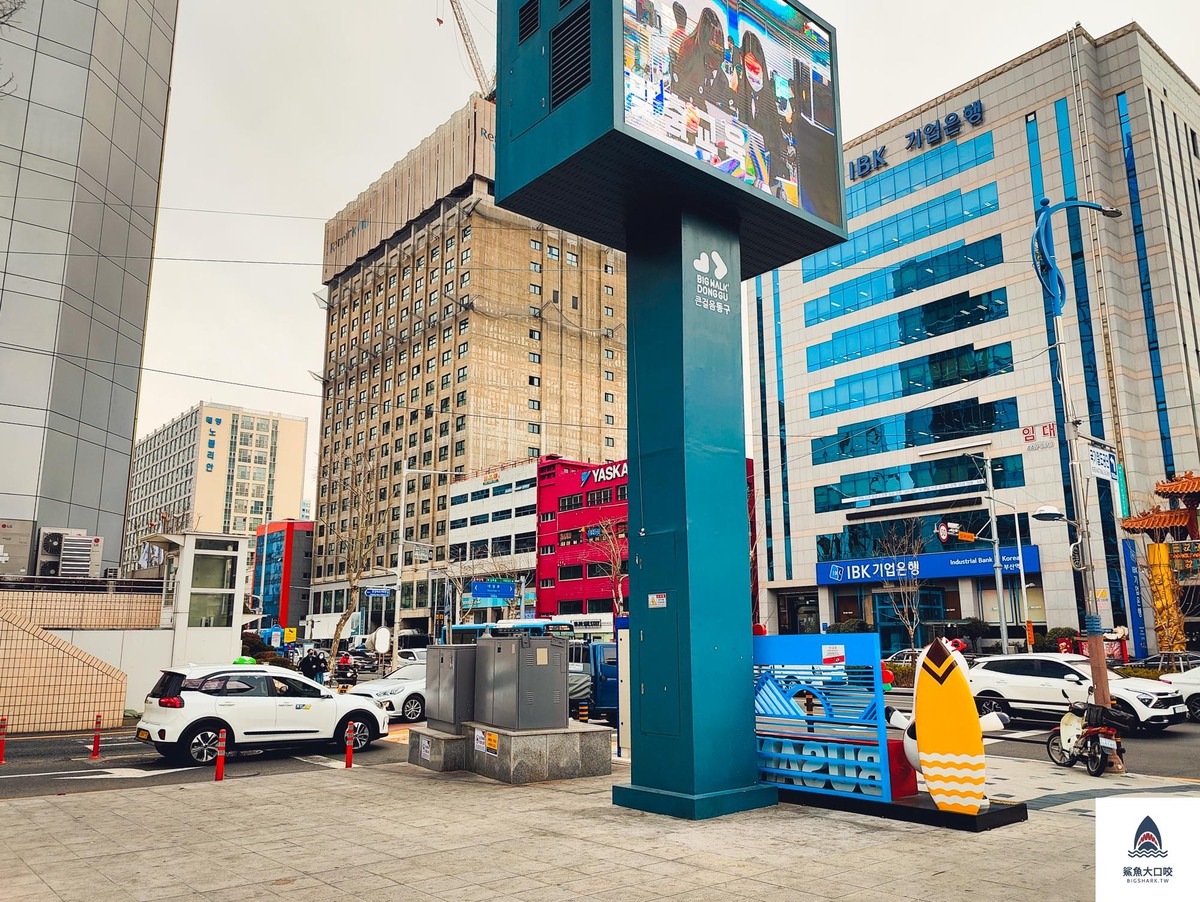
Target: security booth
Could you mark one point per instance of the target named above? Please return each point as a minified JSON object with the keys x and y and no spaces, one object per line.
{"x":706,"y":145}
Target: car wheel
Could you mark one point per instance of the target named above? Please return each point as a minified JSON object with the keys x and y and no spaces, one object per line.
{"x":991,"y":704}
{"x":360,"y":732}
{"x":198,"y":746}
{"x":1193,"y":706}
{"x":413,"y":708}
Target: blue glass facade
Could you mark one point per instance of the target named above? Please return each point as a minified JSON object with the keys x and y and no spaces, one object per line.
{"x":1139,"y":238}
{"x":911,"y":482}
{"x":890,"y":282}
{"x":765,"y":468}
{"x":783,"y":455}
{"x":869,"y":540}
{"x":930,"y":218}
{"x":268,"y":572}
{"x":941,"y":423}
{"x":941,"y":317}
{"x":931,"y":167}
{"x":912,"y":377}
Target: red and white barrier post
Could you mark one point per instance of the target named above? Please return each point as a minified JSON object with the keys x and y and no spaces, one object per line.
{"x":3,"y":733}
{"x":350,"y":744}
{"x":220,"y":772}
{"x":95,"y":756}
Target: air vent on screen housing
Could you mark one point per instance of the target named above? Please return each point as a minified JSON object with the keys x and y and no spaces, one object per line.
{"x":570,"y":55}
{"x":527,"y":20}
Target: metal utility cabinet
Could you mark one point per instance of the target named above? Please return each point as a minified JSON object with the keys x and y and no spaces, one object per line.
{"x":521,"y":682}
{"x":450,"y":686}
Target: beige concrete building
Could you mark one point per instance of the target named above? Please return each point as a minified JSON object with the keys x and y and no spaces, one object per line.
{"x":459,"y":337}
{"x":217,"y":468}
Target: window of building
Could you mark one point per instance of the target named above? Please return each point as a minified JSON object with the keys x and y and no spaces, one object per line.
{"x":535,"y":244}
{"x":552,"y":252}
{"x":535,"y":289}
{"x":572,"y":259}
{"x":609,"y":442}
{"x":547,"y":582}
{"x":535,"y":380}
{"x":531,"y":451}
{"x":535,"y":357}
{"x":600,"y":496}
{"x":570,"y":502}
{"x":608,"y":397}
{"x":535,"y":334}
{"x":524,"y":542}
{"x":608,"y":376}
{"x":535,"y":267}
{"x":535,"y":404}
{"x":567,"y":572}
{"x":608,"y":268}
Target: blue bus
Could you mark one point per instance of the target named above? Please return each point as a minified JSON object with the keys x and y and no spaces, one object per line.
{"x":469,"y":633}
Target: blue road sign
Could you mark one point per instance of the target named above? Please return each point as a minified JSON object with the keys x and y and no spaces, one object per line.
{"x":494,"y":588}
{"x":378,"y":593}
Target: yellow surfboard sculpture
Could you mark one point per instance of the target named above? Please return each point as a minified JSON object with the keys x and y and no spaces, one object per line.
{"x":949,"y":737}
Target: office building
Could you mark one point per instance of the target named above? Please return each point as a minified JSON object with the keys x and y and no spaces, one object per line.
{"x":493,"y":538}
{"x":215,"y":467}
{"x":282,"y":572}
{"x":887,"y":365}
{"x":459,"y":336}
{"x":82,"y":117}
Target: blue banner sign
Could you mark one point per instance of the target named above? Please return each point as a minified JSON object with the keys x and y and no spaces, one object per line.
{"x":1133,"y":585}
{"x":945,"y":564}
{"x":493,"y":588}
{"x":818,"y":714}
{"x":377,"y":593}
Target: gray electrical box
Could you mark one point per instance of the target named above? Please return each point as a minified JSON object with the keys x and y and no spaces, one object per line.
{"x":449,"y":686}
{"x":521,"y":682}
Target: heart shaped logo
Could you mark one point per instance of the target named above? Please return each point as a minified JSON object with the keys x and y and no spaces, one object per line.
{"x":719,"y":267}
{"x":701,"y":262}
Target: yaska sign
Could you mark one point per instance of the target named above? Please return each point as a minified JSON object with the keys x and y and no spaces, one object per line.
{"x":605,"y":474}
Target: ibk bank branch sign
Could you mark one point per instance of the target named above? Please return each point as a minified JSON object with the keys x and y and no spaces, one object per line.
{"x":944,"y":565}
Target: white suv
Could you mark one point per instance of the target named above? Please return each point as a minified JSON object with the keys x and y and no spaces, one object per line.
{"x":258,"y":705}
{"x":1047,"y":682}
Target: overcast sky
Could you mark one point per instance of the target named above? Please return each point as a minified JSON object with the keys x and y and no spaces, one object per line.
{"x":282,"y":111}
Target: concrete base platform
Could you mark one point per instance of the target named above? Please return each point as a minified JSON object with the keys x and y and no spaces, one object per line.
{"x":918,"y":809}
{"x":515,"y":756}
{"x":694,"y":807}
{"x":437,"y":750}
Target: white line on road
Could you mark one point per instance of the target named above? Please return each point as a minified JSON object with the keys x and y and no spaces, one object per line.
{"x":123,"y":773}
{"x":53,"y":773}
{"x":319,"y":760}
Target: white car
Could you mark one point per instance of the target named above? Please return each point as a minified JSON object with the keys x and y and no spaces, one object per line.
{"x":1047,"y":682}
{"x":257,"y":705}
{"x":400,"y":693}
{"x":1186,"y":684}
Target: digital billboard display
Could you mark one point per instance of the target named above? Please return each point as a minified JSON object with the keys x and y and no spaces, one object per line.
{"x":745,"y":86}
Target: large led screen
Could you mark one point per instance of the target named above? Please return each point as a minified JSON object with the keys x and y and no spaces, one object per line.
{"x":745,"y":86}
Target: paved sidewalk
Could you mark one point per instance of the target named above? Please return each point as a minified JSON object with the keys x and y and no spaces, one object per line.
{"x":397,"y":832}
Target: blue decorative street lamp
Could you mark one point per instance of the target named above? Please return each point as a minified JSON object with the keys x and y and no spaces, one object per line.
{"x":1051,"y":277}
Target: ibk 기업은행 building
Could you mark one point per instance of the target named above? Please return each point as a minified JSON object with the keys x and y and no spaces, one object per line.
{"x":889,"y":370}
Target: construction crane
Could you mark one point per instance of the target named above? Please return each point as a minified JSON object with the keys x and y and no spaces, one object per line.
{"x":486,"y":85}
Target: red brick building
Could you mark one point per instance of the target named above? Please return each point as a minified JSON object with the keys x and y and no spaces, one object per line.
{"x":583,"y":549}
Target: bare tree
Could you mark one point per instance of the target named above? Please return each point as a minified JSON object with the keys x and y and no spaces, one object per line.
{"x":902,"y":585}
{"x":608,"y":546}
{"x":350,"y":532}
{"x":8,"y":9}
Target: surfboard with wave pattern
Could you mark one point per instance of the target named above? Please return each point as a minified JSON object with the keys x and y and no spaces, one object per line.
{"x":949,"y":737}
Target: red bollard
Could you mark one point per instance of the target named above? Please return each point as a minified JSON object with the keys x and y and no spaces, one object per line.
{"x":3,"y":733}
{"x":95,"y":756}
{"x":220,"y":773}
{"x":350,"y":745}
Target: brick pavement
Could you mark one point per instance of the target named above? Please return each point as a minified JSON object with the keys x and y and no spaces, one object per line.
{"x":395,"y":832}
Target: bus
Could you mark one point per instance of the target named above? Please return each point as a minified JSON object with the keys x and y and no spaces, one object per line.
{"x":469,"y":633}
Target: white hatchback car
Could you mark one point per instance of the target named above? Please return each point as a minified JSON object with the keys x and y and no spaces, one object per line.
{"x":400,"y":693}
{"x":1046,"y":682}
{"x":258,"y":705}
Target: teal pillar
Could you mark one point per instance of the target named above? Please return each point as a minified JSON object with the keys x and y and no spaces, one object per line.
{"x":692,"y":705}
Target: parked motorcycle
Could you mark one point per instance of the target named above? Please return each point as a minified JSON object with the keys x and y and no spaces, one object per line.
{"x":1089,"y":732}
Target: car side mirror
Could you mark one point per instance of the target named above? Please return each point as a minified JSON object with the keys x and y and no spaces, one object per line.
{"x":1074,"y":678}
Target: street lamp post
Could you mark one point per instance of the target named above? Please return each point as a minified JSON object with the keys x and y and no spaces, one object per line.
{"x":1020,"y":569}
{"x":997,"y":567}
{"x":1051,"y":277}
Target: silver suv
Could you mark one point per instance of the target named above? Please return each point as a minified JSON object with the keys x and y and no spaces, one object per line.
{"x":257,"y":705}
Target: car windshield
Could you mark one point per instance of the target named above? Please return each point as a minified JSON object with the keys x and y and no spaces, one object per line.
{"x":412,"y":671}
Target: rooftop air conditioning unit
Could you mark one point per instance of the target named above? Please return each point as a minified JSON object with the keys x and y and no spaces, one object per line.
{"x":51,"y":540}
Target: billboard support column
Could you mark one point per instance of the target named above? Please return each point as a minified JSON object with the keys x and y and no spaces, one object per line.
{"x":690,"y":645}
